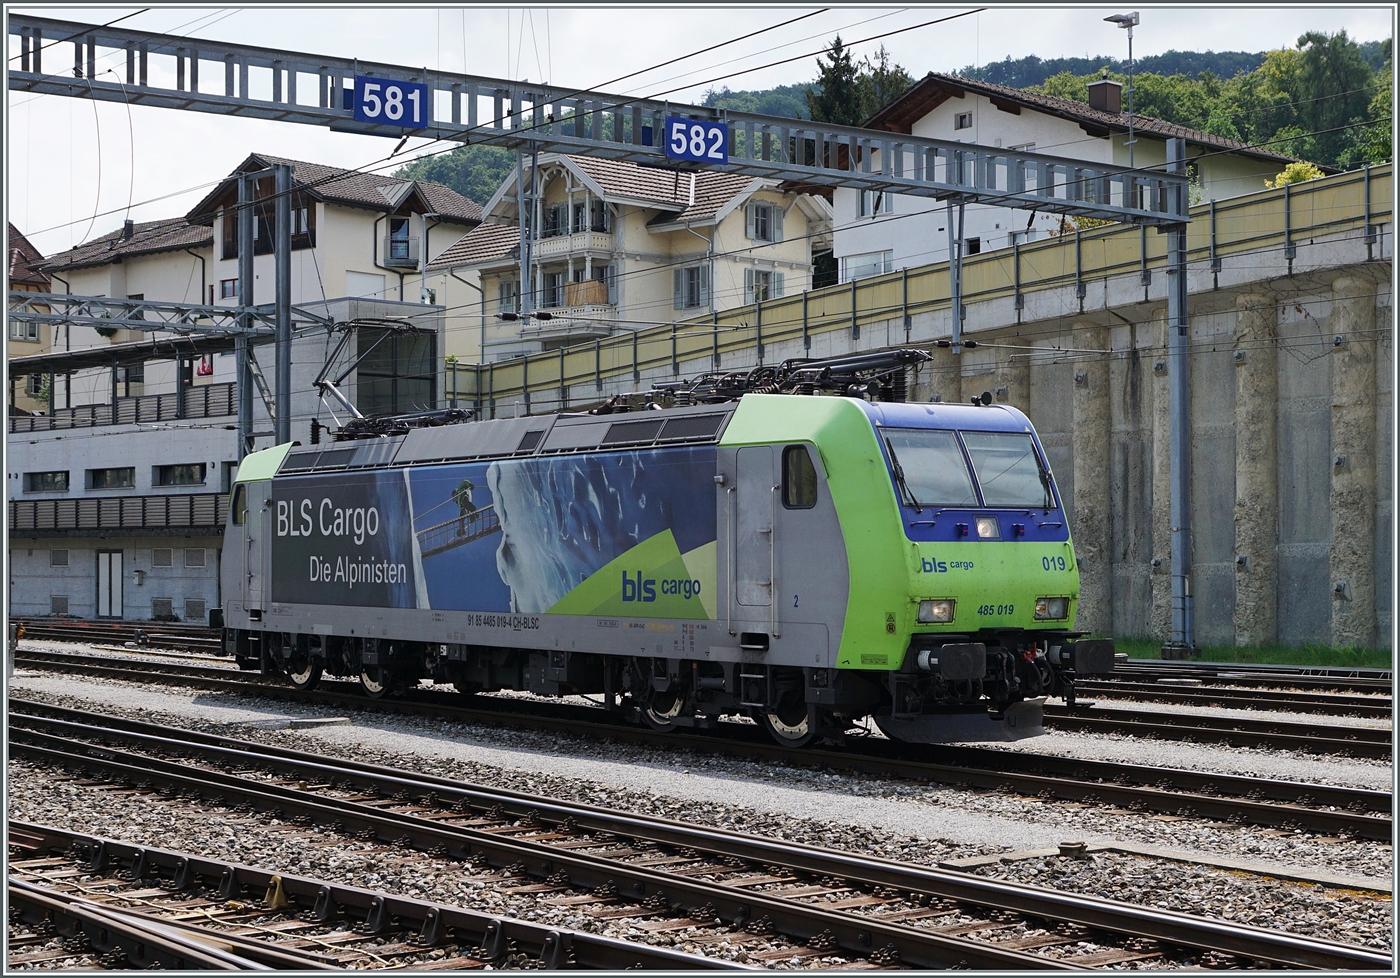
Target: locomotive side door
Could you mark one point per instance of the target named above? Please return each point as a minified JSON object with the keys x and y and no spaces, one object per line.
{"x":255,"y":554}
{"x":753,"y":536}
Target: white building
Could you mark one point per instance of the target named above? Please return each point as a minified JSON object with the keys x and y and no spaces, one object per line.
{"x":117,"y":492}
{"x":876,"y":232}
{"x":619,"y":246}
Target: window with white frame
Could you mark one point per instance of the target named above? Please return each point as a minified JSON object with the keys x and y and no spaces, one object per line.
{"x":963,"y":120}
{"x":760,"y":285}
{"x":874,"y":202}
{"x":552,"y":289}
{"x":29,"y":332}
{"x":763,"y":222}
{"x":691,"y":287}
{"x":863,"y":266}
{"x":1022,"y":237}
{"x":507,"y":296}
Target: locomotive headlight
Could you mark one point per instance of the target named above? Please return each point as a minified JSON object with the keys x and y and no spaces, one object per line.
{"x":939,"y":611}
{"x":988,"y":528}
{"x":1051,"y":609}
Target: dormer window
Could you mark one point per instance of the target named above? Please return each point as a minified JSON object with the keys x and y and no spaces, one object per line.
{"x":398,"y":238}
{"x":400,"y":249}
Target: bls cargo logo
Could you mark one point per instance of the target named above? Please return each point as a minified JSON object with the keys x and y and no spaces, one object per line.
{"x":639,"y":589}
{"x":932,"y":565}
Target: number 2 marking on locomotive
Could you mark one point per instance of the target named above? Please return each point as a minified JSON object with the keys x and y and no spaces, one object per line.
{"x":794,"y":601}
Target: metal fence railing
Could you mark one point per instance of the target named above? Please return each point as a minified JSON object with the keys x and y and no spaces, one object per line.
{"x":213,"y":401}
{"x":1220,"y":232}
{"x":207,"y":510}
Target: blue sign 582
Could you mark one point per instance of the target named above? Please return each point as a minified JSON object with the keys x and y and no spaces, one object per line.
{"x":389,"y":102}
{"x":693,"y":139}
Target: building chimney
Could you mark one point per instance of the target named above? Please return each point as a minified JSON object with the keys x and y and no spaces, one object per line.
{"x":128,"y":229}
{"x":1106,"y":96}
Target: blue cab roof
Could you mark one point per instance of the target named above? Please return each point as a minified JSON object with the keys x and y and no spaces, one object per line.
{"x":963,"y":417}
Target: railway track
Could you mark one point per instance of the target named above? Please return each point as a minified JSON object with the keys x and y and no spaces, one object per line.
{"x":1226,"y":798}
{"x":1341,"y":680}
{"x":160,"y":635}
{"x":1323,"y":704}
{"x":83,"y":901}
{"x":1373,"y":742}
{"x":820,"y":901}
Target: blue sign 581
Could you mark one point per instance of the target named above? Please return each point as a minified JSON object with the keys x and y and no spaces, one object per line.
{"x":390,"y":102}
{"x":697,"y":140}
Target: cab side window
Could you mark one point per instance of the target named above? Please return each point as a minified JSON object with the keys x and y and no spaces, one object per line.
{"x":238,"y":506}
{"x":799,"y":478}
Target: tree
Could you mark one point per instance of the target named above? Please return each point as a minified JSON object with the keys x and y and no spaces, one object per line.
{"x":1295,"y":173}
{"x":1334,"y":85}
{"x":836,"y":98}
{"x":880,"y":83}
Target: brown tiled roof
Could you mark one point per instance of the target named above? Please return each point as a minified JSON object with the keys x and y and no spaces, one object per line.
{"x":147,"y":238}
{"x":619,"y":178}
{"x":486,"y":242}
{"x":713,"y":189}
{"x":22,"y":256}
{"x":933,"y":89}
{"x":337,"y":185}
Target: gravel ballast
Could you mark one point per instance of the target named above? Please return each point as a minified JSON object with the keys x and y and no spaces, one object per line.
{"x":918,"y":823}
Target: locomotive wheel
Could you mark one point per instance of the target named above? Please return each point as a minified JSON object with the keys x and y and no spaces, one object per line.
{"x":304,"y":672}
{"x":374,"y":681}
{"x":661,"y":711}
{"x":792,"y":725}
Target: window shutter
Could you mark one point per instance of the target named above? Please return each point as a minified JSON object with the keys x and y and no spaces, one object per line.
{"x":778,"y":280}
{"x":612,"y":285}
{"x":748,"y":285}
{"x":705,"y":286}
{"x":678,"y":288}
{"x":777,"y":223}
{"x":748,"y":219}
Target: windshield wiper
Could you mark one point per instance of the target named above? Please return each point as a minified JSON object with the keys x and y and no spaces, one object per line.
{"x":899,"y":478}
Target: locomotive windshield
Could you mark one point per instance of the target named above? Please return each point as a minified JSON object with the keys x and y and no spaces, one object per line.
{"x":933,"y":468}
{"x":930,"y":469}
{"x":1008,"y":469}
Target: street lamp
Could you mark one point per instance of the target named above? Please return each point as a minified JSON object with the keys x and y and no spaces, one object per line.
{"x":1129,"y":21}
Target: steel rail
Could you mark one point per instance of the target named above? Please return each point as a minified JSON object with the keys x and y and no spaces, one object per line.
{"x":108,"y":931}
{"x":493,"y":933}
{"x":1232,"y":731}
{"x":1103,"y":773}
{"x":1290,"y":804}
{"x":854,"y":934}
{"x":1339,"y":704}
{"x":1105,"y":914}
{"x":255,"y":955}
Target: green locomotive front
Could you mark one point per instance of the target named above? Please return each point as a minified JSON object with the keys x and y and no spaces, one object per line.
{"x":808,"y":561}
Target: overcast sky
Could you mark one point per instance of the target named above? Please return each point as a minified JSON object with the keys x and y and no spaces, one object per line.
{"x":56,"y":147}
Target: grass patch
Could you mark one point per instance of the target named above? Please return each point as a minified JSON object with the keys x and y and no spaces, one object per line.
{"x":1275,"y":655}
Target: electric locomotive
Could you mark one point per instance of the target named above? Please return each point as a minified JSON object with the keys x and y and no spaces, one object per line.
{"x":810,"y":561}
